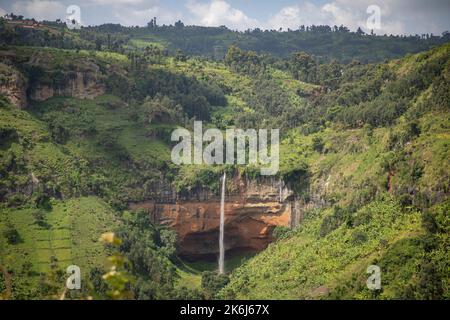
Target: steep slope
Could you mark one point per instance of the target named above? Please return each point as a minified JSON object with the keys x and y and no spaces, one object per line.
{"x":364,"y":161}
{"x":366,"y":195}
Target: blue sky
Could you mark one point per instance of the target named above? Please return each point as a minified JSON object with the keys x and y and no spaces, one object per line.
{"x":397,"y":16}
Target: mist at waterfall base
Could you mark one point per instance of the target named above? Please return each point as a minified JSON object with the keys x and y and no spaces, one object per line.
{"x":222,"y":228}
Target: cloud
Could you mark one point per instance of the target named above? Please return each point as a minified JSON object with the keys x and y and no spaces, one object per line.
{"x":132,"y":17}
{"x":117,"y":2}
{"x":294,"y":16}
{"x":217,"y":13}
{"x":40,"y":9}
{"x":308,"y":13}
{"x":397,"y":17}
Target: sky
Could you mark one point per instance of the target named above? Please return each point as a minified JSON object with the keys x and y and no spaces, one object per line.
{"x":396,"y":16}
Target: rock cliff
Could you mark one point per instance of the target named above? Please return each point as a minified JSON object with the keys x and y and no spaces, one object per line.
{"x":83,"y":79}
{"x":82,"y":85}
{"x":13,"y":85}
{"x":251,"y":214}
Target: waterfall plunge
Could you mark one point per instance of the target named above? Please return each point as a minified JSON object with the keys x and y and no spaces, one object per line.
{"x":222,"y":228}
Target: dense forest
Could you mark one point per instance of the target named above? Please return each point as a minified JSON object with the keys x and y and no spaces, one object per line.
{"x":321,"y":41}
{"x":85,"y":131}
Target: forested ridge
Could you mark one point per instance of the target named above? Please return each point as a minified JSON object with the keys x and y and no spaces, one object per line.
{"x":323,"y":41}
{"x":85,"y":124}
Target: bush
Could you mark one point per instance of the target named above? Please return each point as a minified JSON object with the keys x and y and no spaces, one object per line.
{"x":213,"y":282}
{"x":333,"y":221}
{"x":281,"y":232}
{"x":317,"y":144}
{"x":42,"y":201}
{"x":11,"y":234}
{"x":16,"y":200}
{"x":40,"y":219}
{"x":358,"y":237}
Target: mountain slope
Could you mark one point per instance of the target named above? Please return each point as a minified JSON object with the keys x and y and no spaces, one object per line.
{"x":365,"y":153}
{"x":367,"y":195}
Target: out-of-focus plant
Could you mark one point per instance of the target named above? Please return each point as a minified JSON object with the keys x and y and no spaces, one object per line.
{"x":117,"y":278}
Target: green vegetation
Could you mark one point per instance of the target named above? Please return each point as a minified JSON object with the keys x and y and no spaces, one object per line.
{"x":36,"y":241}
{"x":365,"y":149}
{"x":295,"y":267}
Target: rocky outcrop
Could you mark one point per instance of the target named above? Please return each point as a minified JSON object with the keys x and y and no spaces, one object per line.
{"x":251,"y":214}
{"x":253,"y":208}
{"x":82,"y":85}
{"x":82,"y":79}
{"x":13,"y":86}
{"x":298,"y":208}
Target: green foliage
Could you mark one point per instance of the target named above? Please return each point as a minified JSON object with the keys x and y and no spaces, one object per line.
{"x":317,"y":144}
{"x":351,"y":133}
{"x":148,"y":248}
{"x":281,"y":232}
{"x":11,"y":234}
{"x":195,"y":97}
{"x":284,"y":269}
{"x":333,"y":221}
{"x":117,"y":279}
{"x":67,"y":236}
{"x":303,"y":67}
{"x":243,"y":61}
{"x":213,"y":282}
{"x":329,"y":41}
{"x":40,"y":218}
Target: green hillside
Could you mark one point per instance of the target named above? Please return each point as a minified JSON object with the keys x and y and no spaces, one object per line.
{"x":85,"y":124}
{"x":376,"y":180}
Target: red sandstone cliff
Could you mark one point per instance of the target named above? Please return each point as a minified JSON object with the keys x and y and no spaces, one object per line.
{"x":250,"y":216}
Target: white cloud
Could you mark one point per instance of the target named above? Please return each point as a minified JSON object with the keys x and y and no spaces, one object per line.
{"x":132,"y":17}
{"x":332,"y":13}
{"x":117,"y":2}
{"x":40,"y":9}
{"x":397,"y":17}
{"x":217,"y":13}
{"x":297,"y":15}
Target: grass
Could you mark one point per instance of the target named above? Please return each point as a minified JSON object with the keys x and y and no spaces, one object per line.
{"x":295,"y":267}
{"x":190,"y":273}
{"x":141,"y":148}
{"x":70,"y":237}
{"x":142,"y":43}
{"x":83,"y":151}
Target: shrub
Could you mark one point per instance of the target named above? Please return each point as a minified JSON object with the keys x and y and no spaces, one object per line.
{"x":40,"y":219}
{"x":317,"y":144}
{"x":333,"y":221}
{"x":213,"y":282}
{"x":358,"y":237}
{"x":281,"y":232}
{"x":11,"y":234}
{"x":42,"y":201}
{"x":16,"y":200}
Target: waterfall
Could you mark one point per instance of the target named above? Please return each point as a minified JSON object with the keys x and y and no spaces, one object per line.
{"x":222,"y":227}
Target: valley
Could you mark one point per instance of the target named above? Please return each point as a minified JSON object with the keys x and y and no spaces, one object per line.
{"x":85,"y":151}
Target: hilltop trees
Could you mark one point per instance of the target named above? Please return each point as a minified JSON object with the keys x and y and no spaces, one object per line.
{"x":307,"y":68}
{"x":303,"y":67}
{"x":195,"y":97}
{"x":160,"y":109}
{"x":148,"y":248}
{"x":243,"y":61}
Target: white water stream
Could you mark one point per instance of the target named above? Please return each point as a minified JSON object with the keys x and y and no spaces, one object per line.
{"x":222,"y":228}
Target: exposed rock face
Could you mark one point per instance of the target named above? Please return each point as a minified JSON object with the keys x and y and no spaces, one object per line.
{"x":250,"y":216}
{"x":13,"y":85}
{"x":83,"y":80}
{"x":82,"y":85}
